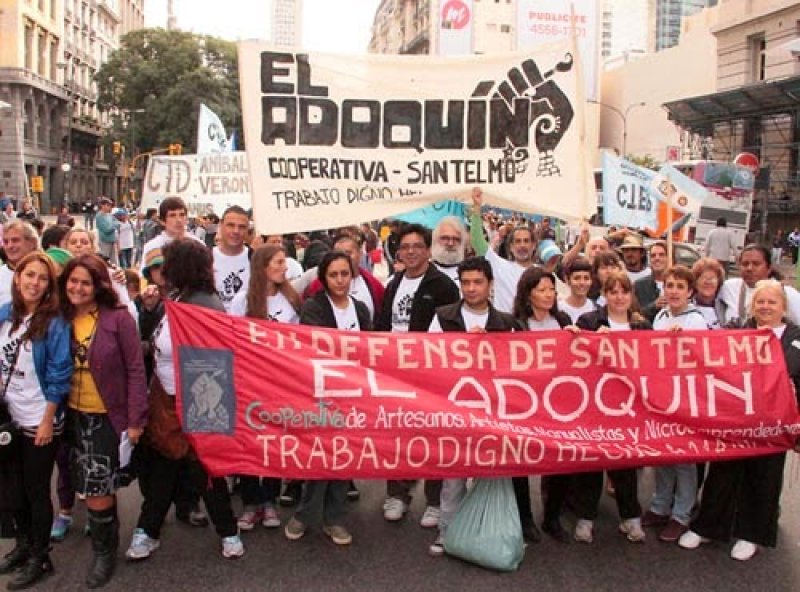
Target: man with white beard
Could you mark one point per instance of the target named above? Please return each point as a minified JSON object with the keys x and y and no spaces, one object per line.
{"x":449,"y":246}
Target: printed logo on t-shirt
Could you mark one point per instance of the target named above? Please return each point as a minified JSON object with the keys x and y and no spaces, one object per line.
{"x":231,"y":285}
{"x":275,"y":316}
{"x":9,"y":357}
{"x":403,"y":315}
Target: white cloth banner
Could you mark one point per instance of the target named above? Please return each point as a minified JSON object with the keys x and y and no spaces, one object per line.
{"x":338,"y":140}
{"x":545,"y":21}
{"x":455,"y":27}
{"x":627,"y":197}
{"x":211,"y":137}
{"x":206,"y":182}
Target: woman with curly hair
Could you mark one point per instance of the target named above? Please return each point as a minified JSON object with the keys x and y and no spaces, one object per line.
{"x":189,"y":274}
{"x":107,"y":403}
{"x":35,"y":370}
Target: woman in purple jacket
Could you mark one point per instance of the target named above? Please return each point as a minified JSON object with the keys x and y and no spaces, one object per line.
{"x":107,"y":403}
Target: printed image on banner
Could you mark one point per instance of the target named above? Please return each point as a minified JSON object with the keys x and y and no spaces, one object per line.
{"x":206,"y":182}
{"x":314,"y":403}
{"x":209,"y":397}
{"x":335,"y":140}
{"x":545,"y":21}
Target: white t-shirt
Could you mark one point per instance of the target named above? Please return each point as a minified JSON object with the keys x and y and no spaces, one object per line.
{"x":575,"y":312}
{"x":729,"y":295}
{"x":346,"y":318}
{"x":615,"y":326}
{"x":360,"y":291}
{"x":450,"y":271}
{"x":637,"y":275}
{"x":548,"y":324}
{"x":231,"y":275}
{"x":160,"y":241}
{"x":279,"y":309}
{"x":506,"y":277}
{"x":26,"y":401}
{"x":401,"y":305}
{"x":164,"y":368}
{"x":293,"y":269}
{"x":6,"y":277}
{"x":710,"y":315}
{"x":471,"y":319}
{"x":689,"y":319}
{"x":126,"y":235}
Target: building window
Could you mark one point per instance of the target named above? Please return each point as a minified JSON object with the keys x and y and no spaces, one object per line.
{"x":505,"y":28}
{"x":758,"y":58}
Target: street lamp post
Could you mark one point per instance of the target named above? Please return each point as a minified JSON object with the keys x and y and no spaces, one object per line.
{"x":132,"y":131}
{"x":624,"y":117}
{"x":66,"y":166}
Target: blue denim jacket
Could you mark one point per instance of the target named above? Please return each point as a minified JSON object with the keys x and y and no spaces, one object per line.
{"x":52,"y":358}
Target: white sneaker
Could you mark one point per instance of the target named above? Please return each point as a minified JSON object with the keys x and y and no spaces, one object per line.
{"x":691,"y":540}
{"x":232,"y":547}
{"x":436,"y":549}
{"x":583,"y":531}
{"x":632,"y":529}
{"x":743,"y":550}
{"x":394,"y":509}
{"x":430,"y":519}
{"x":142,"y":546}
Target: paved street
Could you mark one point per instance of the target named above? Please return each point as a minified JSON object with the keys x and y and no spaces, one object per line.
{"x":394,"y":557}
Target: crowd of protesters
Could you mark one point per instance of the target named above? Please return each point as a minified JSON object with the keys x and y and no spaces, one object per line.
{"x":88,"y":373}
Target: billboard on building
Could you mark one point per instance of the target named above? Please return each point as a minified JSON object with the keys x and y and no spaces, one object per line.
{"x":455,"y":27}
{"x":544,"y":21}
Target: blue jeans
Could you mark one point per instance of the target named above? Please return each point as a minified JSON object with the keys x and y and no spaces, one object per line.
{"x":676,"y":492}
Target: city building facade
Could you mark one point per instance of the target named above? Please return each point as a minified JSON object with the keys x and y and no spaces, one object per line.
{"x":756,"y":105}
{"x":287,"y":23}
{"x":667,"y":17}
{"x":52,"y":127}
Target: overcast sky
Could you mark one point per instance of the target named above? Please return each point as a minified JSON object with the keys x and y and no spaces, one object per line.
{"x":341,"y":26}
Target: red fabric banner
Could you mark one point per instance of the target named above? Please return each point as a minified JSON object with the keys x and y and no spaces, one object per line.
{"x":263,"y":398}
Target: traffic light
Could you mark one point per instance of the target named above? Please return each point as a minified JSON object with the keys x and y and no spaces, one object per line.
{"x":175,"y":149}
{"x":37,"y":184}
{"x":116,"y":148}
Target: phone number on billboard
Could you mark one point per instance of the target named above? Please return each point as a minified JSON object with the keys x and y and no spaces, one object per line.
{"x":559,"y":30}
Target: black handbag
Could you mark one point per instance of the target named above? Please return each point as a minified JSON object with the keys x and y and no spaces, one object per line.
{"x":10,"y":432}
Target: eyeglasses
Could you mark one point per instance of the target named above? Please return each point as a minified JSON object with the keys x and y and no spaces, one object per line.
{"x":412,"y":247}
{"x":450,"y":239}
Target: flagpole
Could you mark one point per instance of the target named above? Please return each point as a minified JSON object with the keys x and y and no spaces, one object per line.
{"x":670,"y":194}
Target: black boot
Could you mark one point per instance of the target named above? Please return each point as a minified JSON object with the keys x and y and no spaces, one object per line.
{"x":17,"y":556}
{"x":36,"y":568}
{"x":105,"y":541}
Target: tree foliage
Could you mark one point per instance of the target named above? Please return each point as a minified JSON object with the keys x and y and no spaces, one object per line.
{"x":647,"y":161}
{"x":168,"y":74}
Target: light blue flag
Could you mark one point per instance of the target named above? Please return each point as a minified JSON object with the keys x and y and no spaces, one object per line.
{"x":627,"y":197}
{"x":689,"y":194}
{"x":430,"y":216}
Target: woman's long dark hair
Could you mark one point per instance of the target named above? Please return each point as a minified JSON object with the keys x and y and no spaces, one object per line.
{"x":258,"y":284}
{"x":522,"y":301}
{"x":48,"y":306}
{"x":104,"y":294}
{"x":188,"y":267}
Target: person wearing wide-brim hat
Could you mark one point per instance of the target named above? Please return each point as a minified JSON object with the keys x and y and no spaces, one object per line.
{"x":635,"y":257}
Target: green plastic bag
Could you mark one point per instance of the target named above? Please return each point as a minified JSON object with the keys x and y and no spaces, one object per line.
{"x":486,"y":529}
